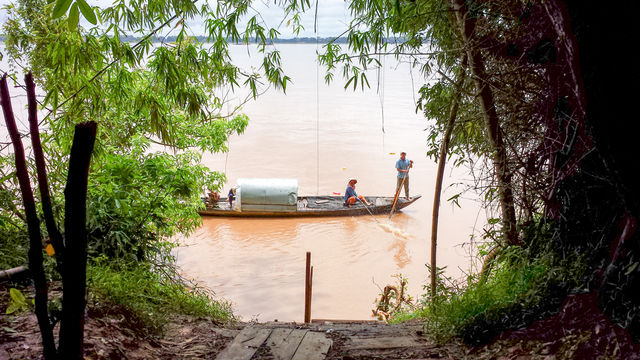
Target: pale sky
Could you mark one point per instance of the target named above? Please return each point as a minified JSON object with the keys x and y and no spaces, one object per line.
{"x":333,"y":17}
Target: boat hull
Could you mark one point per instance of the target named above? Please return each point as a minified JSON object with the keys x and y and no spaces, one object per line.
{"x":315,"y":206}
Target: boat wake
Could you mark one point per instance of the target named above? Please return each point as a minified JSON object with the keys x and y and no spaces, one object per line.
{"x":394,"y":230}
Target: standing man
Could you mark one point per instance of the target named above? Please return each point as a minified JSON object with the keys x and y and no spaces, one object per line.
{"x":403,"y":165}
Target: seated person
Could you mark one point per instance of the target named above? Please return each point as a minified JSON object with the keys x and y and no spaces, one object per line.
{"x":350,"y":194}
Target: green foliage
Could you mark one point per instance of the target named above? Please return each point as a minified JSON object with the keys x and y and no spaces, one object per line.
{"x":159,"y":107}
{"x":147,"y":297}
{"x":515,"y":292}
{"x":527,"y":282}
{"x":146,"y":99}
{"x":135,"y":200}
{"x":445,"y":288}
{"x":18,"y":302}
{"x":13,"y":251}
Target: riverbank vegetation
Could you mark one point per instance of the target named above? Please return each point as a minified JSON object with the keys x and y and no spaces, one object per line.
{"x":525,"y":282}
{"x":519,"y":102}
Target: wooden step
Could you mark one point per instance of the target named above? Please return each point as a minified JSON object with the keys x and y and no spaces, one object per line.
{"x":283,"y":344}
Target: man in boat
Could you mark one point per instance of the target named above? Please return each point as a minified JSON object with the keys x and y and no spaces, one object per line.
{"x":350,"y":194}
{"x":402,"y":166}
{"x":231,"y":196}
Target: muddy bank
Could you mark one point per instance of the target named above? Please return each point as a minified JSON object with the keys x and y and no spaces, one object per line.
{"x":579,"y":330}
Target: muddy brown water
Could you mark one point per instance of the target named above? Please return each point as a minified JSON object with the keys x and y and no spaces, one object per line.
{"x":322,"y":135}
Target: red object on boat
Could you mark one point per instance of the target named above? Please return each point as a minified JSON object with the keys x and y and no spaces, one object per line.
{"x":336,"y":193}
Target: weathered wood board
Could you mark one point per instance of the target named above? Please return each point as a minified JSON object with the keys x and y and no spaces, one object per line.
{"x":245,"y":344}
{"x":285,"y":342}
{"x":314,"y":346}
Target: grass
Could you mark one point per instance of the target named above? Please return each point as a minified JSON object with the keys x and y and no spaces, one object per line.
{"x":147,"y":299}
{"x":516,"y":294}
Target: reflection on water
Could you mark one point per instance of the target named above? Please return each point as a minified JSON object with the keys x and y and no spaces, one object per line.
{"x":259,"y":264}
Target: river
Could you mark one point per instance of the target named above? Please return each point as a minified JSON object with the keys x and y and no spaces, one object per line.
{"x":322,"y":135}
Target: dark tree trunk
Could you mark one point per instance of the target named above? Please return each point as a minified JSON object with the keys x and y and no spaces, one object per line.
{"x":75,"y":264}
{"x":442,"y":160}
{"x":33,"y":225}
{"x":607,"y":69}
{"x":466,"y":24}
{"x":41,"y":167}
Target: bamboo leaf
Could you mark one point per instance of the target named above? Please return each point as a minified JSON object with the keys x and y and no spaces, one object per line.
{"x":348,"y":82}
{"x":60,"y":8}
{"x":87,"y":11}
{"x":74,"y":17}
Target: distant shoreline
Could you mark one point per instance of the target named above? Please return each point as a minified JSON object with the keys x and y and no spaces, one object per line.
{"x":298,"y":40}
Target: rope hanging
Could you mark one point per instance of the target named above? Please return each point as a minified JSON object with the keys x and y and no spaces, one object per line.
{"x":381,"y":88}
{"x":315,"y":29}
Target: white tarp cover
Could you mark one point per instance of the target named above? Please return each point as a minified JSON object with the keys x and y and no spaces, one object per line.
{"x":268,"y":194}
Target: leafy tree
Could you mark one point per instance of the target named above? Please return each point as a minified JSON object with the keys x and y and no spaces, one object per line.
{"x":159,"y":107}
{"x":146,"y":97}
{"x":536,"y":106}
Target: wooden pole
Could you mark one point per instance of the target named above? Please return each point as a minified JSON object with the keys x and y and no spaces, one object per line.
{"x":307,"y":289}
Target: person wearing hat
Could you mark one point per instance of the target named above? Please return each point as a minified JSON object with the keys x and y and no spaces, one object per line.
{"x":350,"y":194}
{"x":402,"y":166}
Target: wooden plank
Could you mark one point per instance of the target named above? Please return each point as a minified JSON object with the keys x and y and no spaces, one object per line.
{"x":245,"y":344}
{"x":344,"y":321}
{"x":388,"y":342}
{"x":314,"y":346}
{"x":284,"y":342}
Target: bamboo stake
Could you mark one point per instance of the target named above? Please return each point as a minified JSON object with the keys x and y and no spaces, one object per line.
{"x":307,"y":289}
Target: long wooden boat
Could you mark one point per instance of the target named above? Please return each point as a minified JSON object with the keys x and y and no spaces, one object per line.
{"x":314,"y":206}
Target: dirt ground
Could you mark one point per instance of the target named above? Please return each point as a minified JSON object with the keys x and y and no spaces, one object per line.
{"x":578,"y":331}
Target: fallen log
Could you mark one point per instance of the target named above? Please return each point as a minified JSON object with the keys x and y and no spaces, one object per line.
{"x":14,"y":273}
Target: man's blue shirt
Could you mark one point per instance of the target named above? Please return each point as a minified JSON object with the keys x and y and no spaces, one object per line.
{"x":349,"y":193}
{"x":404,"y":165}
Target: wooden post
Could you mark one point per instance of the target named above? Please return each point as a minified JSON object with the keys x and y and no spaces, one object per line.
{"x":307,"y":289}
{"x":74,"y":274}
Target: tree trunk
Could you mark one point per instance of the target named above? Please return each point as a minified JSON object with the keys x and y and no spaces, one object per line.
{"x":41,"y":167}
{"x":33,"y":225}
{"x":604,"y":72}
{"x":75,"y":265}
{"x":444,"y":148}
{"x":467,"y":24}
